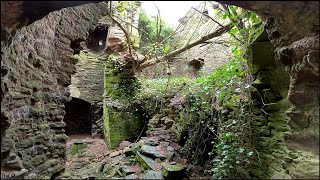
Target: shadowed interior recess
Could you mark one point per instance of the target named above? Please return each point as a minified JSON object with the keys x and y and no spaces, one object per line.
{"x":78,"y":117}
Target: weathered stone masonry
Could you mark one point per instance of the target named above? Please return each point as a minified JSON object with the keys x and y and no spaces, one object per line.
{"x":293,"y":76}
{"x":87,"y":85}
{"x":36,"y":70}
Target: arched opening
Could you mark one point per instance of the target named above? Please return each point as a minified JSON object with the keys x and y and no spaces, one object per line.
{"x":97,"y":39}
{"x":78,"y":117}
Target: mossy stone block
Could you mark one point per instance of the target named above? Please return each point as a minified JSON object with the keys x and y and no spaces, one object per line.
{"x":77,"y":148}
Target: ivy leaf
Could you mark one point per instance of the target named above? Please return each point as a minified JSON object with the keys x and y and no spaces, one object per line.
{"x":250,"y":153}
{"x":234,"y":31}
{"x":225,"y":15}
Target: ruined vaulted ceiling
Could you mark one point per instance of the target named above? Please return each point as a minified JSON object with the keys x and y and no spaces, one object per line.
{"x":285,"y":21}
{"x":15,"y":14}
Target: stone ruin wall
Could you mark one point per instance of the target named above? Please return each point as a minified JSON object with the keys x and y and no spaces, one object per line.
{"x":293,"y":30}
{"x":87,"y":84}
{"x":36,"y":71}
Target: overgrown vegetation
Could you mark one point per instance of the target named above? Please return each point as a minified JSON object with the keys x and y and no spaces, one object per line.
{"x":154,"y":34}
{"x":219,"y":115}
{"x":219,"y":119}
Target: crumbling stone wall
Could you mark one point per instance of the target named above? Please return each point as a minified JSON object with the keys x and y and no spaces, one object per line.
{"x":121,"y":117}
{"x":87,"y":84}
{"x":36,"y":70}
{"x":293,"y":29}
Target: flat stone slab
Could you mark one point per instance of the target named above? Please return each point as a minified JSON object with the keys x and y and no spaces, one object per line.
{"x":131,"y":176}
{"x":131,"y":169}
{"x":158,"y":151}
{"x":153,"y":175}
{"x":146,"y":161}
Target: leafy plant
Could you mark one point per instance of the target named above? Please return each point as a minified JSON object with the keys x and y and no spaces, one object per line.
{"x":153,"y":31}
{"x":235,"y":147}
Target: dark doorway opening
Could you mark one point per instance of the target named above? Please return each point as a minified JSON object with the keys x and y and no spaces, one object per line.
{"x":78,"y":117}
{"x":96,"y":41}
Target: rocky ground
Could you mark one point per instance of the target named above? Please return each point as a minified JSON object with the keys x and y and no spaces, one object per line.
{"x":155,"y":156}
{"x":84,"y":155}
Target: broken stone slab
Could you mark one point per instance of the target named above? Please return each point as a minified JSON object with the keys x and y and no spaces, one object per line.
{"x":115,"y":153}
{"x":21,"y":172}
{"x":117,"y":160}
{"x":128,"y":151}
{"x":66,"y":174}
{"x":145,"y":161}
{"x":163,"y":143}
{"x":170,"y":152}
{"x":153,"y":141}
{"x":131,"y":169}
{"x":177,"y":102}
{"x":13,"y":164}
{"x":155,"y":119}
{"x":58,"y":124}
{"x":167,"y":121}
{"x":153,"y":175}
{"x":131,"y":176}
{"x":13,"y":174}
{"x":111,"y":170}
{"x":91,"y":170}
{"x":173,"y":171}
{"x":158,"y":151}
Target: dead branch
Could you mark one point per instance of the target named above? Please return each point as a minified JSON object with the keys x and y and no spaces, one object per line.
{"x":215,"y":22}
{"x":154,"y":61}
{"x":125,"y":33}
{"x":158,"y":25}
{"x":130,"y":24}
{"x":147,"y":54}
{"x":207,"y":16}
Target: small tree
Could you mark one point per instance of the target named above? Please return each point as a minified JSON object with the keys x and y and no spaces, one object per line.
{"x":153,"y":31}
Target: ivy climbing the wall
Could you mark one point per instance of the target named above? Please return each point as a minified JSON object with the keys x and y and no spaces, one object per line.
{"x":218,"y":120}
{"x":122,"y":118}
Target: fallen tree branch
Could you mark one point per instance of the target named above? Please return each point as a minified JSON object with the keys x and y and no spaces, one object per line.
{"x":154,"y":61}
{"x":147,"y":55}
{"x":207,"y":16}
{"x":215,"y":22}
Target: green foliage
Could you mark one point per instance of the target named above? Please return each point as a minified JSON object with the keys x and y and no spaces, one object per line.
{"x":155,"y":92}
{"x":205,"y":98}
{"x":128,"y":87}
{"x":77,"y":148}
{"x":235,"y":147}
{"x":220,"y":103}
{"x":160,"y":87}
{"x":127,"y":6}
{"x":125,"y":12}
{"x":153,"y":31}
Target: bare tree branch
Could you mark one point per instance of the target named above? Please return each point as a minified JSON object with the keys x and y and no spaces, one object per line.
{"x":125,"y":33}
{"x":207,"y":16}
{"x":215,"y":22}
{"x":158,"y":25}
{"x":154,"y":61}
{"x":147,"y":54}
{"x":143,"y":31}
